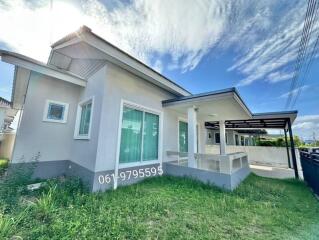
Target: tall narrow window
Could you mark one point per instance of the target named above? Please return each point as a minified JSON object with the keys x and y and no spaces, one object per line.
{"x":84,"y":119}
{"x":217,"y":138}
{"x":237,"y":140}
{"x":183,"y":136}
{"x":150,"y":137}
{"x":139,"y":136}
{"x":242,"y":140}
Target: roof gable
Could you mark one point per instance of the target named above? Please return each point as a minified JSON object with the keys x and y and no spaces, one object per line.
{"x":111,"y":53}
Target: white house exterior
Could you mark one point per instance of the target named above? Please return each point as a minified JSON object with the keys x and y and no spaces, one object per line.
{"x":93,"y":110}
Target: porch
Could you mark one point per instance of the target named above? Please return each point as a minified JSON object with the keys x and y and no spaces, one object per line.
{"x":217,"y":110}
{"x":225,"y":171}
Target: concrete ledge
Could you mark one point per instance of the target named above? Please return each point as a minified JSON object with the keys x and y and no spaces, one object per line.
{"x":225,"y":181}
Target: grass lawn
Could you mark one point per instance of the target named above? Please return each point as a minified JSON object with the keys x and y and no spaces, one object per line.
{"x":165,"y":208}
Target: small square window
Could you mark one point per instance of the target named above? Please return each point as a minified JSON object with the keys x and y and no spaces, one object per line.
{"x":55,"y":112}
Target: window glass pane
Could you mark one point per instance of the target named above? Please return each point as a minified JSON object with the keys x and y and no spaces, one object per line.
{"x":183,"y":137}
{"x":131,"y":135}
{"x":242,"y":140}
{"x":237,"y":140}
{"x":150,"y":137}
{"x":217,"y":138}
{"x":85,"y":118}
{"x":55,"y":111}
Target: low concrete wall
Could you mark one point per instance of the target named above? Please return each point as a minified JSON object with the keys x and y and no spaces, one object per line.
{"x":270,"y":156}
{"x":225,"y":181}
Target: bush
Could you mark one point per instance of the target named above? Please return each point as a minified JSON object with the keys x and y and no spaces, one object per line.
{"x":13,"y":184}
{"x":3,"y":163}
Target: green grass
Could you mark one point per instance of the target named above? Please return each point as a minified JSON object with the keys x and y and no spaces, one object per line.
{"x":166,"y":208}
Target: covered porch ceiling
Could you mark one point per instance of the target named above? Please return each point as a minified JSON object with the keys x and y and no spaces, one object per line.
{"x":212,"y":106}
{"x":275,"y":120}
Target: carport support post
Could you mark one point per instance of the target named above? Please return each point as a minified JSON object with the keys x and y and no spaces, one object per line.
{"x":222,"y":137}
{"x":286,"y":140}
{"x":192,"y":136}
{"x":292,"y":147}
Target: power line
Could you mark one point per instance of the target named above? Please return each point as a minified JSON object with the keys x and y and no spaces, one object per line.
{"x":302,"y":50}
{"x":309,"y":61}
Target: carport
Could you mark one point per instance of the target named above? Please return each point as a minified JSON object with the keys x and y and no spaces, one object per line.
{"x":273,"y":120}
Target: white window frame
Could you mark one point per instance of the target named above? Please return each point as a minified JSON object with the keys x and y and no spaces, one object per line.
{"x":78,"y":119}
{"x":160,"y":135}
{"x":46,"y":109}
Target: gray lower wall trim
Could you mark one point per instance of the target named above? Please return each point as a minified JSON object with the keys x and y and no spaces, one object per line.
{"x":75,"y":170}
{"x":44,"y":170}
{"x":51,"y":169}
{"x":98,"y":184}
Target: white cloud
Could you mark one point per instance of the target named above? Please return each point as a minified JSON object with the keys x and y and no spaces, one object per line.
{"x":264,"y":34}
{"x":279,"y":76}
{"x":294,"y":92}
{"x":185,"y":30}
{"x":306,"y":126}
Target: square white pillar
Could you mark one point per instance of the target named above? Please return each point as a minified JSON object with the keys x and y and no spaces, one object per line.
{"x":192,"y":136}
{"x":222,"y":134}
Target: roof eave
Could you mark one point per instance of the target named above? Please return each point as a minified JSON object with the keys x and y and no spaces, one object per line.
{"x":34,"y":65}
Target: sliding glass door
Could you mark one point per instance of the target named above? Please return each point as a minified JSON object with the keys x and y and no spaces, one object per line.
{"x":139,"y":136}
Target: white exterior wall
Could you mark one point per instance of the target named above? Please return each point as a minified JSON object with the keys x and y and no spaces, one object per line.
{"x":84,"y":150}
{"x":52,"y":141}
{"x":121,"y":85}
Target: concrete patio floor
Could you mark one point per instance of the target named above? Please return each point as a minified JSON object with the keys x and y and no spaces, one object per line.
{"x":274,"y":172}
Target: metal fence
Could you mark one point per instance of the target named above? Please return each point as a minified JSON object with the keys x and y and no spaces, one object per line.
{"x":309,"y":158}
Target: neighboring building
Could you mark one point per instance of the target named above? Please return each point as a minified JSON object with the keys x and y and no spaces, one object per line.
{"x":235,"y":137}
{"x":7,"y":134}
{"x":93,"y":110}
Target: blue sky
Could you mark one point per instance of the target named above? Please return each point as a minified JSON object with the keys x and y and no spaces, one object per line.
{"x":201,"y":45}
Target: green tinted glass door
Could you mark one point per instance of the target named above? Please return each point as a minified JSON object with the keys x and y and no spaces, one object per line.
{"x":150,"y":136}
{"x":183,"y":137}
{"x":131,"y":135}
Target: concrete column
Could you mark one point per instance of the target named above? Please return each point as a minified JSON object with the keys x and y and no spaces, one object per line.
{"x":222,"y":134}
{"x":192,"y":136}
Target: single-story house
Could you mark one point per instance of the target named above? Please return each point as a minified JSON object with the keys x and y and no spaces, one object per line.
{"x":96,"y":112}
